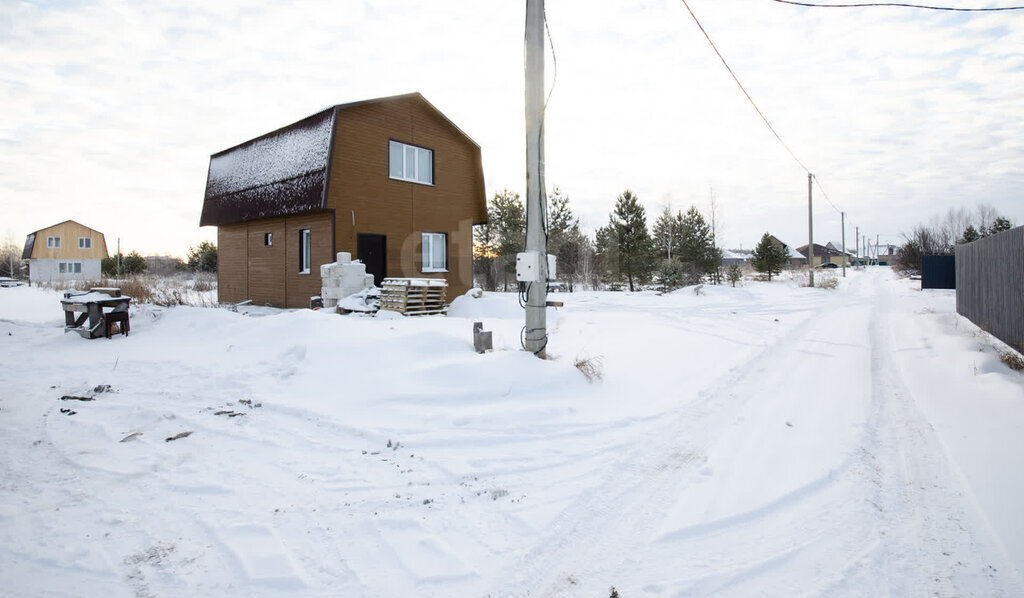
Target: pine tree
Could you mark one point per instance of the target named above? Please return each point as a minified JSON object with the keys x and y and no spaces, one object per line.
{"x":509,"y":217}
{"x":572,"y":249}
{"x":695,"y":244}
{"x":769,"y":256}
{"x":666,"y":233}
{"x":201,"y":258}
{"x":970,"y":234}
{"x":606,"y":256}
{"x":635,"y":248}
{"x":999,"y":225}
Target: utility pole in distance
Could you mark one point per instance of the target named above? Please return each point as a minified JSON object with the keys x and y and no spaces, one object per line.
{"x":842,"y":219}
{"x":535,"y":335}
{"x":810,"y":230}
{"x":857,"y":242}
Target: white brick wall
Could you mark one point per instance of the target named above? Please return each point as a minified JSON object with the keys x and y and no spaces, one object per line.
{"x":48,"y":270}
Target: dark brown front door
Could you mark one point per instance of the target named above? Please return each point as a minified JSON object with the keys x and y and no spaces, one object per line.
{"x":372,"y":251}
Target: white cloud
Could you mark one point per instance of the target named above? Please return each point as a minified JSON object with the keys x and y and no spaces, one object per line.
{"x":111,"y":109}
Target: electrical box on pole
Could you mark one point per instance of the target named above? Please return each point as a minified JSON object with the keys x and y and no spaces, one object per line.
{"x":528,"y":266}
{"x":535,"y":335}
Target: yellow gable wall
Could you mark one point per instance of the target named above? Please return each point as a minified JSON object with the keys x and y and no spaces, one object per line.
{"x":69,"y":233}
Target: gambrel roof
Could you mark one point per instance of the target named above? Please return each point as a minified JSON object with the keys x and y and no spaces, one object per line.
{"x":30,"y":239}
{"x":282,"y":172}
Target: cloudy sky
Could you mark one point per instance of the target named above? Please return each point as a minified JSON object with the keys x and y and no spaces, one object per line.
{"x":111,"y":109}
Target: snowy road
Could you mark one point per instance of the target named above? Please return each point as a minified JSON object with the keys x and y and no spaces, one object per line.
{"x":766,"y":440}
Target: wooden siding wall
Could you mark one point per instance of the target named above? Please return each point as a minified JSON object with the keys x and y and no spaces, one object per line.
{"x":990,"y":285}
{"x":232,"y":263}
{"x":270,"y":275}
{"x":360,"y":190}
{"x":69,"y":232}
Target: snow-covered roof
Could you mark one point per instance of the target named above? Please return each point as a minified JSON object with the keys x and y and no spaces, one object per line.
{"x":793,"y":253}
{"x":819,"y":251}
{"x":736,"y":254}
{"x":280,"y":173}
{"x":838,"y":246}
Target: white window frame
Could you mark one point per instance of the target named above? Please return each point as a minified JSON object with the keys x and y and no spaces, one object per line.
{"x":53,"y":242}
{"x":411,"y":172}
{"x":69,"y":267}
{"x":85,"y":242}
{"x":305,"y":248}
{"x":268,"y":239}
{"x":428,"y":242}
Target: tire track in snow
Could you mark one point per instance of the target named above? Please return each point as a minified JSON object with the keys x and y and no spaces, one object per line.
{"x":927,"y":543}
{"x":601,"y":529}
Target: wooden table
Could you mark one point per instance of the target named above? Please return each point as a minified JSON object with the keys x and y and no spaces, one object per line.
{"x":81,"y":306}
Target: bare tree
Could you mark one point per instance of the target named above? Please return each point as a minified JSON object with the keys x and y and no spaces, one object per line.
{"x":10,"y":258}
{"x":716,"y":229}
{"x":986,"y":216}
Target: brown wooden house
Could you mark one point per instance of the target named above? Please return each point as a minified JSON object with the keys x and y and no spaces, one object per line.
{"x":391,"y":181}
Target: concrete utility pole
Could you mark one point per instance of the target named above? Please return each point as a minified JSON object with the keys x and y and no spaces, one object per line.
{"x":842,"y":219}
{"x":856,"y":242}
{"x":810,"y":230}
{"x":535,"y":335}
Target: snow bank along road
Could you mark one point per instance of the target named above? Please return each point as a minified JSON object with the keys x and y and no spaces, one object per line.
{"x":764,"y":440}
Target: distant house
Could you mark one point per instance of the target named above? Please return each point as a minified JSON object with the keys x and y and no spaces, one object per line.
{"x":824,"y":254}
{"x":736,"y":256}
{"x":64,"y":251}
{"x":392,"y":181}
{"x":795,"y":257}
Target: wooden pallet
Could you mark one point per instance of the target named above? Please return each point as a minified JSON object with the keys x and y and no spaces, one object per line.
{"x":414,"y":296}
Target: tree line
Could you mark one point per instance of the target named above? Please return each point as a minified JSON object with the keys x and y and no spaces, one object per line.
{"x":678,"y":250}
{"x":942,"y":234}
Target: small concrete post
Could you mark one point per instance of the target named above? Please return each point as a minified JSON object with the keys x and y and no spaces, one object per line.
{"x":481,"y":339}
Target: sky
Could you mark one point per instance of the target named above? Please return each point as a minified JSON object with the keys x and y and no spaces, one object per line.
{"x":111,"y":109}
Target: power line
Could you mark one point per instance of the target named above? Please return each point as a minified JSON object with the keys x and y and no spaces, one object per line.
{"x":827,"y":198}
{"x":743,"y":89}
{"x":754,"y":104}
{"x":898,"y":4}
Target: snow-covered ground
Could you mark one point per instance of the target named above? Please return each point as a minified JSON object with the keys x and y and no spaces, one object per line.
{"x":765,"y":440}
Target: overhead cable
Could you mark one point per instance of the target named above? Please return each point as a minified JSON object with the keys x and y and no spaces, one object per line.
{"x":899,"y":5}
{"x":743,"y":89}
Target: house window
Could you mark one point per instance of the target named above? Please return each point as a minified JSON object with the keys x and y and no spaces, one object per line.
{"x":304,"y":249}
{"x":410,"y":163}
{"x":85,"y":242}
{"x":435,"y":252}
{"x":53,"y":242}
{"x":268,"y":239}
{"x":69,"y":267}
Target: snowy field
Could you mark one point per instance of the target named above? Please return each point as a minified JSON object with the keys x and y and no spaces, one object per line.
{"x":765,"y":440}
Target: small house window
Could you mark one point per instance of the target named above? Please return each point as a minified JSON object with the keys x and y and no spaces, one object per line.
{"x":410,"y":163}
{"x":69,"y":267}
{"x":268,"y":239}
{"x":304,"y":250}
{"x":435,"y":252}
{"x":53,"y":242}
{"x":85,"y":242}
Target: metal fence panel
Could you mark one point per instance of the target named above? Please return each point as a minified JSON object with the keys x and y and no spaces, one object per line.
{"x":938,"y":272}
{"x":990,"y":285}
